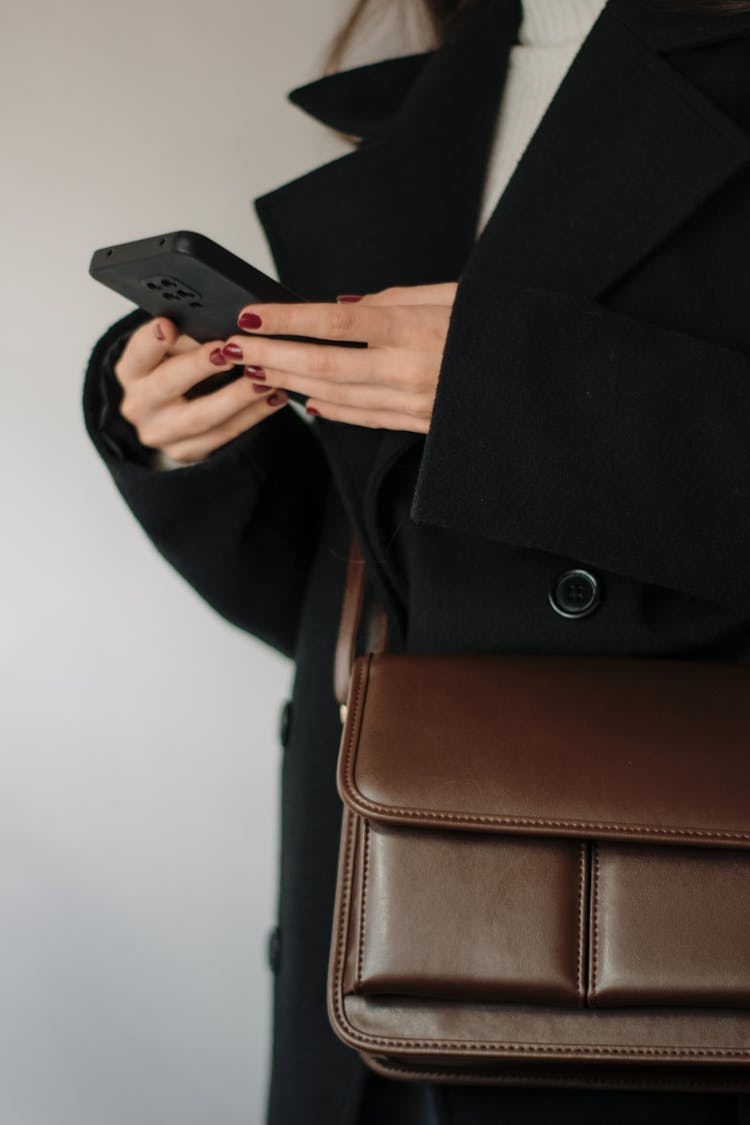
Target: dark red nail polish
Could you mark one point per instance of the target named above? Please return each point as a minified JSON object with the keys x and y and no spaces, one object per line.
{"x":249,"y":320}
{"x":350,"y":296}
{"x":261,"y":387}
{"x":159,"y":334}
{"x":217,"y":357}
{"x":276,"y":399}
{"x":312,"y":410}
{"x":254,"y":372}
{"x":231,"y":351}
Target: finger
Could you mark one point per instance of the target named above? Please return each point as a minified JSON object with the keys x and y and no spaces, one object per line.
{"x":198,"y":447}
{"x":374,"y":419}
{"x":145,"y":350}
{"x":409,"y":389}
{"x":332,"y":321}
{"x":197,"y":416}
{"x":179,"y":373}
{"x":443,"y":293}
{"x":353,"y":364}
{"x":396,"y":326}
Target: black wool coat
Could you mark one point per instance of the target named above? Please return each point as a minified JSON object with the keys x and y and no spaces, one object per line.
{"x":592,"y":412}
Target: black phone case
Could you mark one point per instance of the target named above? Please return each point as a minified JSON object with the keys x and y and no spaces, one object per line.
{"x":198,"y":285}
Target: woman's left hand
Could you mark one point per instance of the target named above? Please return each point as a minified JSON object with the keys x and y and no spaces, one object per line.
{"x":390,"y":384}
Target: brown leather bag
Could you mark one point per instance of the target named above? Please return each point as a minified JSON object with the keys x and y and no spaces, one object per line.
{"x":544,"y":873}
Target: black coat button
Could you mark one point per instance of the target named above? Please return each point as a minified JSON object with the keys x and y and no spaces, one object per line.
{"x":285,"y":722}
{"x":274,"y":949}
{"x":575,"y":593}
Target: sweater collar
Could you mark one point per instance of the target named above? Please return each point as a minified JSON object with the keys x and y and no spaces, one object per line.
{"x":554,"y":23}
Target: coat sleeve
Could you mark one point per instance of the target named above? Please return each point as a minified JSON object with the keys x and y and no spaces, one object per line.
{"x":240,"y":526}
{"x":566,"y":427}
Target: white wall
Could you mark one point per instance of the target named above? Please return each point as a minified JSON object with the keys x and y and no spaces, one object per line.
{"x":138,"y":729}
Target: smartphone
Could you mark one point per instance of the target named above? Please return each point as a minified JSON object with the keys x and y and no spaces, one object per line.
{"x":197,"y":284}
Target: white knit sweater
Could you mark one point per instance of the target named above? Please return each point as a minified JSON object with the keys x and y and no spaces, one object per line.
{"x":549,"y":36}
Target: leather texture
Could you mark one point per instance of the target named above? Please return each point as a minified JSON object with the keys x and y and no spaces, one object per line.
{"x":544,"y":872}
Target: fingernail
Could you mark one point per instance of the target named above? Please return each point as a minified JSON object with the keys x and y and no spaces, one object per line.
{"x":232,"y":351}
{"x":249,"y":320}
{"x":217,"y":357}
{"x":261,"y":387}
{"x":159,"y":334}
{"x":278,"y":398}
{"x":350,"y":296}
{"x":312,"y":410}
{"x":255,"y":372}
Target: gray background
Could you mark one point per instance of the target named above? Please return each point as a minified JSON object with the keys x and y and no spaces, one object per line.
{"x":138,"y":729}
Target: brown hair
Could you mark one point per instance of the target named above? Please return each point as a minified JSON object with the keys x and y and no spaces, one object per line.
{"x":442,"y":14}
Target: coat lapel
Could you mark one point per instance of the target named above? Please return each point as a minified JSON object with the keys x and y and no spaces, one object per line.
{"x":401,"y":208}
{"x":627,"y":150}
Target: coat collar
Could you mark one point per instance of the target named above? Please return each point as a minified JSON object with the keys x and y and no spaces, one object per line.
{"x":420,"y":94}
{"x":626,"y":152}
{"x":372,"y":100}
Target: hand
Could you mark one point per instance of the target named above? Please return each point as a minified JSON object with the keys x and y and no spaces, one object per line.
{"x":155,"y":374}
{"x":390,"y":384}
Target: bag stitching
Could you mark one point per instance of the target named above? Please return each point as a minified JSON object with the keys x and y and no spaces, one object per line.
{"x":459,"y":1047}
{"x":360,"y":802}
{"x":363,"y":905}
{"x":595,"y":927}
{"x":474,"y":1046}
{"x":581,"y":936}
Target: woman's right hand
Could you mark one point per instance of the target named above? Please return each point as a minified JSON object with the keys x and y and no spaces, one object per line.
{"x":155,"y":374}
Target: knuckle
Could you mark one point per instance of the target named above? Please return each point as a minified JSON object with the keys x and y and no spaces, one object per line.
{"x":422,"y":382}
{"x":148,"y":435}
{"x":318,"y":361}
{"x":126,"y":409}
{"x":119,"y":371}
{"x":342,"y":320}
{"x":198,"y":418}
{"x":421,"y":378}
{"x":132,"y":407}
{"x":415,"y":403}
{"x":152,"y":431}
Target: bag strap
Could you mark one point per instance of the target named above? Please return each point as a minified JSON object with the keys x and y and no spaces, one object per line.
{"x":351,"y":615}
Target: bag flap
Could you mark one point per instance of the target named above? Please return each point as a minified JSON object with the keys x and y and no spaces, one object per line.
{"x":597,"y":747}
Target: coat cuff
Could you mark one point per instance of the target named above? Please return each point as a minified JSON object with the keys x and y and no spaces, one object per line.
{"x":114,"y":437}
{"x":560,"y":425}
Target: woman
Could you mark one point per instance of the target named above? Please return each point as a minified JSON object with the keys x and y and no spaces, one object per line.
{"x":557,"y":380}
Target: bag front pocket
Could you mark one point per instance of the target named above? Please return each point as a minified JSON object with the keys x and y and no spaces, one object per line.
{"x":476,"y":915}
{"x":669,"y":927}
